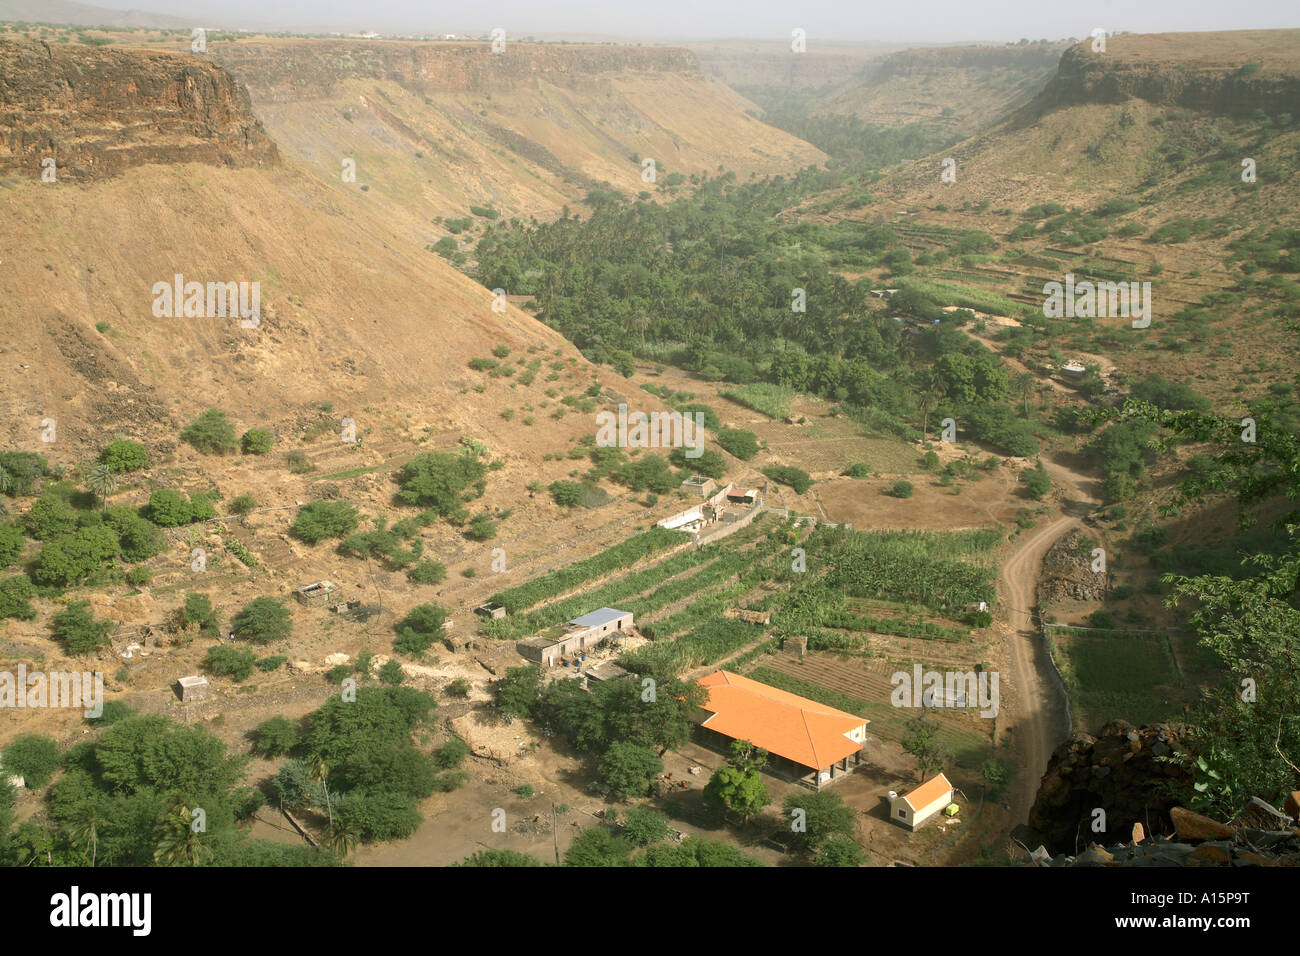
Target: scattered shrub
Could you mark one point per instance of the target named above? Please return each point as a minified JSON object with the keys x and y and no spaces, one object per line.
{"x":211,"y":433}
{"x":257,"y":441}
{"x":263,"y":620}
{"x":77,"y":628}
{"x":226,"y":660}
{"x":124,"y":455}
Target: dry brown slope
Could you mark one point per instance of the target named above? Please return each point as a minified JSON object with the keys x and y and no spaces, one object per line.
{"x":352,"y":314}
{"x":525,"y":131}
{"x":962,"y":89}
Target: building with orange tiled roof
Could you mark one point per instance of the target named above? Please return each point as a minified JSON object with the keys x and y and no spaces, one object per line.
{"x":807,"y":735}
{"x":914,"y":808}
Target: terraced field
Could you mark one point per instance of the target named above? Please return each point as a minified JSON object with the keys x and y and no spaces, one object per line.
{"x":1142,"y":677}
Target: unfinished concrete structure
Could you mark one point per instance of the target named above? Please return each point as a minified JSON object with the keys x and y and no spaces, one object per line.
{"x":192,"y":689}
{"x":314,"y":594}
{"x":563,"y":641}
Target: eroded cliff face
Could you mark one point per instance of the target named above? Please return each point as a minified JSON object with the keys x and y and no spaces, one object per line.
{"x":96,"y":112}
{"x":278,"y":71}
{"x":1228,"y":73}
{"x":935,"y":61}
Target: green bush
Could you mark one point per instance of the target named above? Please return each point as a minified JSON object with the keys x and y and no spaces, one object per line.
{"x":567,"y":494}
{"x":318,"y":520}
{"x":275,"y":737}
{"x":211,"y":433}
{"x":197,"y":610}
{"x":900,"y":489}
{"x":15,"y":593}
{"x":524,"y":790}
{"x":263,"y":620}
{"x":452,"y":754}
{"x":21,"y":471}
{"x":737,"y":442}
{"x":391,"y":673}
{"x":71,"y":558}
{"x":645,"y":826}
{"x":269,"y":664}
{"x":113,"y":711}
{"x":1037,"y":481}
{"x":796,"y":478}
{"x":244,"y":504}
{"x":337,"y":675}
{"x":50,"y":516}
{"x":257,"y":441}
{"x":419,"y":629}
{"x":1102,"y":619}
{"x":139,"y":575}
{"x":124,"y":455}
{"x":170,"y":509}
{"x":12,"y":543}
{"x":482,"y":528}
{"x":226,"y":660}
{"x":427,"y":572}
{"x":438,"y":480}
{"x":858,"y":470}
{"x":708,"y":463}
{"x":34,"y":757}
{"x":138,"y":538}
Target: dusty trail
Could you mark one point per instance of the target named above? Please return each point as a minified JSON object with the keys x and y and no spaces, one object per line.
{"x":1037,"y":701}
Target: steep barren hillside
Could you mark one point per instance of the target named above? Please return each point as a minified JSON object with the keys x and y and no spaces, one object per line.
{"x":962,"y":89}
{"x":434,"y":127}
{"x":351,"y":314}
{"x":96,"y":112}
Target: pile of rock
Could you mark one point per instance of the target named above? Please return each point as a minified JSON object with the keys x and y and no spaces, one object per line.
{"x":1126,"y":772}
{"x":1199,"y":841}
{"x":1068,"y":573}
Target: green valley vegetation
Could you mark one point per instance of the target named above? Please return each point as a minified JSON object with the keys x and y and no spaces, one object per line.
{"x":355,"y":766}
{"x":144,"y":791}
{"x":1247,"y":729}
{"x":741,"y":292}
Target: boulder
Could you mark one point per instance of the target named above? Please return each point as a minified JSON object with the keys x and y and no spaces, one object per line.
{"x":1195,"y":826}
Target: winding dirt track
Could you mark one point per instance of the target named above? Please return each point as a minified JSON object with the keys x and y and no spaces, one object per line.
{"x":1038,"y":708}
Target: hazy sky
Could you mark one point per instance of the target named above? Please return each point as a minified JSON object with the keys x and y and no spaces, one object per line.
{"x":935,"y":21}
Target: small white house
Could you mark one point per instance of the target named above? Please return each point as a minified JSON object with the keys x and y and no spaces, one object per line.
{"x":913,"y":809}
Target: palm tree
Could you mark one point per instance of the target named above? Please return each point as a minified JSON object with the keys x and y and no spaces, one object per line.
{"x":179,"y":843}
{"x":930,"y":389}
{"x":1023,"y":385}
{"x":641,"y":323}
{"x":343,"y":839}
{"x":102,"y":481}
{"x":85,"y":830}
{"x":320,"y":772}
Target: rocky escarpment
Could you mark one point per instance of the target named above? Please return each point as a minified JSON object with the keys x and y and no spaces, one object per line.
{"x":1118,"y":772}
{"x":1033,"y":57}
{"x":278,"y":71}
{"x":97,"y":112}
{"x":1229,"y":73}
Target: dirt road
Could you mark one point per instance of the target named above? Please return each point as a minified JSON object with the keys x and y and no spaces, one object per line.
{"x":1037,"y":704}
